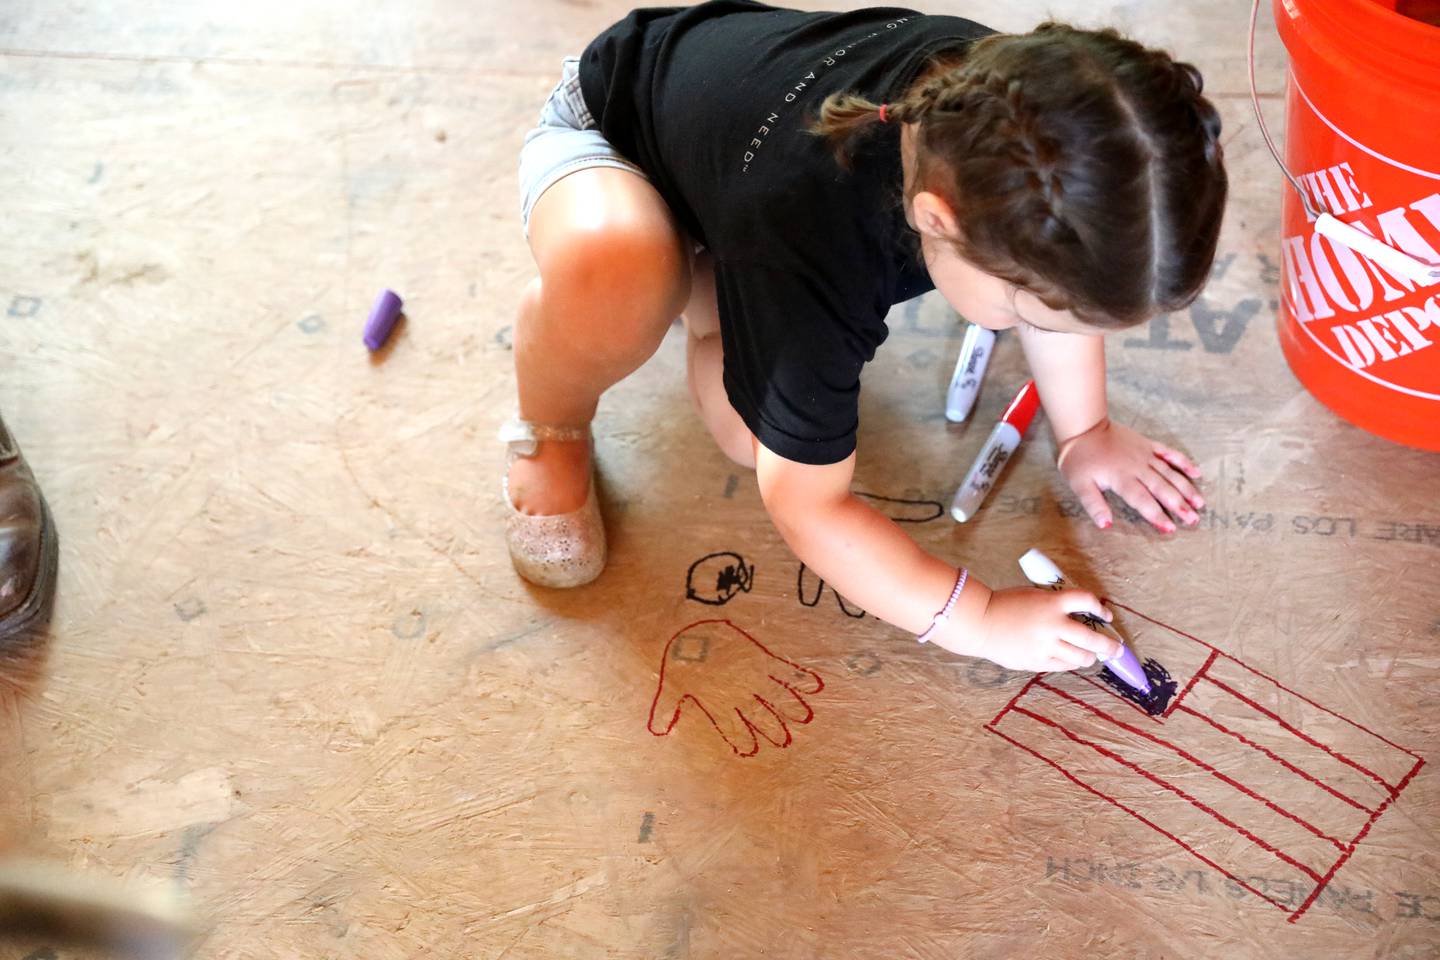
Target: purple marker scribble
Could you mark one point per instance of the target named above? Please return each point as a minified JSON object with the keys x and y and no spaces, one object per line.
{"x":1162,"y":688}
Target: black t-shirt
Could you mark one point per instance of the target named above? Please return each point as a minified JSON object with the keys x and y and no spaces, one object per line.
{"x":713,"y":102}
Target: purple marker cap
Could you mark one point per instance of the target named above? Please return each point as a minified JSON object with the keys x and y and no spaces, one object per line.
{"x":1127,"y":667}
{"x":382,"y":319}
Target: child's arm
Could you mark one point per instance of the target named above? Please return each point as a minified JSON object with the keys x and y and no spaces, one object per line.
{"x":869,"y":560}
{"x":1069,"y":371}
{"x":1095,"y":454}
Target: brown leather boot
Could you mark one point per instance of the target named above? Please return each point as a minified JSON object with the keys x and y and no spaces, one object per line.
{"x":29,"y":546}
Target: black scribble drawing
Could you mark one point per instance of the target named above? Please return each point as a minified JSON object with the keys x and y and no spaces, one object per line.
{"x":903,"y":510}
{"x":810,"y":594}
{"x":717,"y":577}
{"x":809,"y":587}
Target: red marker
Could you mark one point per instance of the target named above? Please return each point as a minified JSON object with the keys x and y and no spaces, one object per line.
{"x":997,"y":450}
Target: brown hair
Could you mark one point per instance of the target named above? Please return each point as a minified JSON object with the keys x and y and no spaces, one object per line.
{"x":1082,"y":166}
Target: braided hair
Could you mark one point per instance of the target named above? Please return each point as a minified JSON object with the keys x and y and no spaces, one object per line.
{"x":1081,"y":165}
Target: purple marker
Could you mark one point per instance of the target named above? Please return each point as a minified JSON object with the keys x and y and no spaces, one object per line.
{"x":1041,"y":571}
{"x":382,"y":319}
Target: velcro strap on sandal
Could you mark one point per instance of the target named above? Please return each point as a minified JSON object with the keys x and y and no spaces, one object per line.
{"x":523,"y":437}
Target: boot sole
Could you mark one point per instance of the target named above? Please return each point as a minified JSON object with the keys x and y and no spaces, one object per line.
{"x":35,"y":610}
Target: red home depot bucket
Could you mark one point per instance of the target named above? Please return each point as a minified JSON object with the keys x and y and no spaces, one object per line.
{"x":1363,"y":137}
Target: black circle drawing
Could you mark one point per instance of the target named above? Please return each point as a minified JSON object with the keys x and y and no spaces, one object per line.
{"x":716,"y":578}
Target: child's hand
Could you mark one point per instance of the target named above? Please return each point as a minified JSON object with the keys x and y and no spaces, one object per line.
{"x":1149,"y":476}
{"x":1026,"y":628}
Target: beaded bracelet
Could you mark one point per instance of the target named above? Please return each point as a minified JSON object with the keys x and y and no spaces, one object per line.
{"x":944,"y":614}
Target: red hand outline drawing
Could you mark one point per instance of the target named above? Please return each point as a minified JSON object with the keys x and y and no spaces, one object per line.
{"x":737,"y":684}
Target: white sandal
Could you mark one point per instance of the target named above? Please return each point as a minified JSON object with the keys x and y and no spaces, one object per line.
{"x":560,"y":550}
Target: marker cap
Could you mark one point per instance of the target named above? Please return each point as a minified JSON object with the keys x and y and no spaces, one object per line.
{"x":382,"y":319}
{"x":1039,"y":569}
{"x":1022,"y":408}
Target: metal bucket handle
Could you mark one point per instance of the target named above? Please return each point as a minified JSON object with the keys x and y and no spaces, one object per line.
{"x":1396,"y":261}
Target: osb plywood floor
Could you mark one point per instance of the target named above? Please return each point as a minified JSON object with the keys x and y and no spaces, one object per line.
{"x":292,"y":674}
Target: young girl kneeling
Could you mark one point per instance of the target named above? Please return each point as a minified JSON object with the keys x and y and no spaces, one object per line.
{"x":782,"y":179}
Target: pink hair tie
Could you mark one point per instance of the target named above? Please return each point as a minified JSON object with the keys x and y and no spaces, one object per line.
{"x":882,"y":113}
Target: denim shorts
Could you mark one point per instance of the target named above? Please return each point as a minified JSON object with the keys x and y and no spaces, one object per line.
{"x":564,"y":140}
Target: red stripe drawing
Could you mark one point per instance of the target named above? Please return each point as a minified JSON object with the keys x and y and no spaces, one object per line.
{"x":1263,"y":779}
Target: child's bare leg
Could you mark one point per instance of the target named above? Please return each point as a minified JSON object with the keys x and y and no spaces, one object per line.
{"x":704,"y":368}
{"x":614,"y":273}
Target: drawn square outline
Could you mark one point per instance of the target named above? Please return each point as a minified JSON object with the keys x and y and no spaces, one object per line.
{"x":1215,"y":653}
